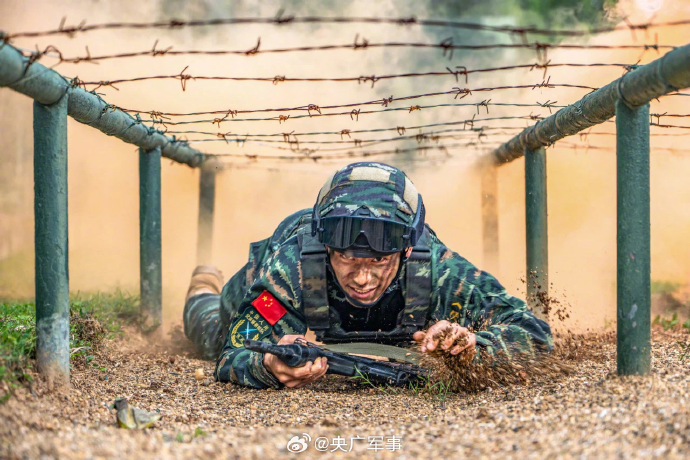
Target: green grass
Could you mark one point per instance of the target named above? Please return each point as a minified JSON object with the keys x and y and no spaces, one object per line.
{"x":186,"y":437}
{"x":17,"y":344}
{"x":666,"y":323}
{"x":93,"y":317}
{"x":684,"y":350}
{"x":678,"y":306}
{"x":671,"y":323}
{"x":110,"y":309}
{"x":423,"y":386}
{"x":438,"y":389}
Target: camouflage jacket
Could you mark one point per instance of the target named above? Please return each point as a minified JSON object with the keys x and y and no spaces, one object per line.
{"x":460,"y":293}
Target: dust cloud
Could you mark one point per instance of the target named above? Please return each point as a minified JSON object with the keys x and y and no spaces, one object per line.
{"x":253,"y":197}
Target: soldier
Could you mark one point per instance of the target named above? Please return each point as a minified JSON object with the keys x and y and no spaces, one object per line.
{"x":361,"y":266}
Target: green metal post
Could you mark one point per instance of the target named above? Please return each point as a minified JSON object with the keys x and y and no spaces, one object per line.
{"x":537,"y":232}
{"x":50,"y":211}
{"x":633,"y":232}
{"x":489,"y":186}
{"x":150,"y":236}
{"x":207,"y":202}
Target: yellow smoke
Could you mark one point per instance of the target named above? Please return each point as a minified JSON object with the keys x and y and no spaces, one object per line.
{"x":252,"y":198}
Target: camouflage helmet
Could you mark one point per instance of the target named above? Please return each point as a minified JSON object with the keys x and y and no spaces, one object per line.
{"x":371,"y":209}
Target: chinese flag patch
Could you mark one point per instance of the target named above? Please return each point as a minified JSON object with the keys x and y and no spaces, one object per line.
{"x":269,"y":307}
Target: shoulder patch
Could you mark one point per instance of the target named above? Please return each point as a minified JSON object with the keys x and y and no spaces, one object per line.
{"x":269,"y":307}
{"x":250,"y":325}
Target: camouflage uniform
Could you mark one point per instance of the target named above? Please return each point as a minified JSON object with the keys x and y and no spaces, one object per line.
{"x":459,"y":293}
{"x":462,"y":294}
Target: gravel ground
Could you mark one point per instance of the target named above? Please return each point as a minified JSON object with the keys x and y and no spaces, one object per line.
{"x":589,"y":413}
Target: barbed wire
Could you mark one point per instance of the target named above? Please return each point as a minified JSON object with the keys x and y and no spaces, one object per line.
{"x":480,"y":136}
{"x":314,"y":110}
{"x":478,"y":140}
{"x":588,"y":146}
{"x":482,"y":105}
{"x":475,"y":133}
{"x":347,"y":132}
{"x":294,"y":138}
{"x":281,"y":20}
{"x":446,"y":46}
{"x":161,"y":117}
{"x":362,"y":79}
{"x":429,"y":136}
{"x":295,"y":144}
{"x":291,"y":138}
{"x":444,"y":149}
{"x":424,"y":137}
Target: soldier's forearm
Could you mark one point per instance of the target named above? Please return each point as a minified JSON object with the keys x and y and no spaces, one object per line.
{"x":261,"y":374}
{"x":244,"y":367}
{"x":511,"y":338}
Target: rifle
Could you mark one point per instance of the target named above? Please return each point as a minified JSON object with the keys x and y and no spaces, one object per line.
{"x":298,"y":353}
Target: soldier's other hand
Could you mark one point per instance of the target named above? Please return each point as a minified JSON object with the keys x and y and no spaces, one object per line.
{"x":294,"y":377}
{"x":448,"y":337}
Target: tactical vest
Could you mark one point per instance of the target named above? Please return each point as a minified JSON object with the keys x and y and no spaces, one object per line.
{"x":319,"y":316}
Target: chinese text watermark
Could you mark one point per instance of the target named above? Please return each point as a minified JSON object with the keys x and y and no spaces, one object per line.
{"x":300,"y":443}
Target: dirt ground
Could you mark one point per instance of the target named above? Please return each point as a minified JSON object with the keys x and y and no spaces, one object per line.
{"x":590,"y":413}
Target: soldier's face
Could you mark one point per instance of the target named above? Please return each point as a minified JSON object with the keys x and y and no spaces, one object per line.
{"x":364,"y":279}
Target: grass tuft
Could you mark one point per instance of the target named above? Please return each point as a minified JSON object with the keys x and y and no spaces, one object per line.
{"x":93,"y":317}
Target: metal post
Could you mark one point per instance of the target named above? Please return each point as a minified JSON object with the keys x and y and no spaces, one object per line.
{"x":50,"y":211}
{"x":489,"y":173}
{"x":537,"y":232}
{"x":638,"y":87}
{"x":633,"y":232}
{"x":46,"y":86}
{"x":150,"y":237}
{"x":207,"y":201}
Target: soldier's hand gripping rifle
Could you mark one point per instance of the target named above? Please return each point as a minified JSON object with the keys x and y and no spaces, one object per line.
{"x":384,"y":372}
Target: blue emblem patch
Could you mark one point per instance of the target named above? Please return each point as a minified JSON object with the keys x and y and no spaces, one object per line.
{"x":249,"y":326}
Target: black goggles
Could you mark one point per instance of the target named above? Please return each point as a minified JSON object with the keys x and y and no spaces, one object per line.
{"x":382,"y":235}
